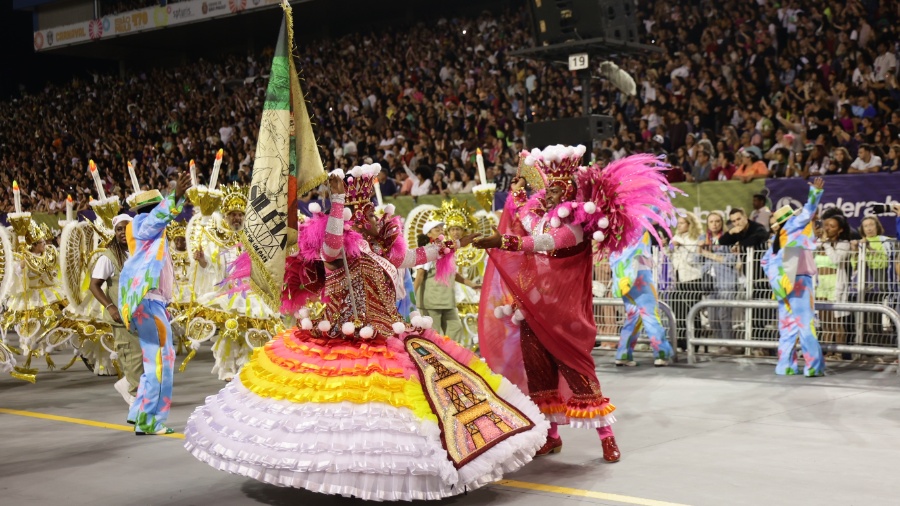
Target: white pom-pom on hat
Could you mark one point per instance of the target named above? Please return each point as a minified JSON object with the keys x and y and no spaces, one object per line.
{"x":315,"y":208}
{"x":324,"y":326}
{"x":498,"y":312}
{"x":599,"y":236}
{"x":347,"y":214}
{"x":416,"y":321}
{"x":390,"y":209}
{"x":529,"y":160}
{"x":366,"y":332}
{"x":580,"y":150}
{"x":306,"y":324}
{"x":554,"y":222}
{"x":603,"y":222}
{"x":337,"y":172}
{"x":399,"y":327}
{"x":590,"y":207}
{"x":563,"y":212}
{"x":507,"y":310}
{"x":413,"y":314}
{"x":303,"y":313}
{"x":348,"y":328}
{"x":427,"y":322}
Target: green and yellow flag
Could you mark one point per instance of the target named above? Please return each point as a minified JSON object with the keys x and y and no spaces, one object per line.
{"x":287,"y":164}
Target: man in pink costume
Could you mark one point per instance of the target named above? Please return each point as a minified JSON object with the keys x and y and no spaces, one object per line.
{"x":539,"y":328}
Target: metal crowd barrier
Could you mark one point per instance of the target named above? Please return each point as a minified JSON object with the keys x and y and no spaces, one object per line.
{"x":692,"y":340}
{"x":664,"y":308}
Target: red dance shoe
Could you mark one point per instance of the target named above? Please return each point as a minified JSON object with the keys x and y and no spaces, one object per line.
{"x":553,"y":445}
{"x":610,"y":450}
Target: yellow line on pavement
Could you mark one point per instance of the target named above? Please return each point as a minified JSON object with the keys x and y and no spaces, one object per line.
{"x":79,"y":421}
{"x":584,"y":493}
{"x":524,"y":485}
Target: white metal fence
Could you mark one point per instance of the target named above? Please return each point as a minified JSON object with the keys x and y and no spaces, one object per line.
{"x":719,"y":281}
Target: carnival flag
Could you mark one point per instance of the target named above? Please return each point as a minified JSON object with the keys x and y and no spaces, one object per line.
{"x":287,"y":164}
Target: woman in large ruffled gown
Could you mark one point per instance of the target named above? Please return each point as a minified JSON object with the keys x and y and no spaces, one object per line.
{"x":353,"y":401}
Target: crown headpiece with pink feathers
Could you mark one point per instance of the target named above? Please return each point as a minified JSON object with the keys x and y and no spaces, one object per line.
{"x":559,"y":165}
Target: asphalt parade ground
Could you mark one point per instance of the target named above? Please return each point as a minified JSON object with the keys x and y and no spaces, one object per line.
{"x":717,"y":433}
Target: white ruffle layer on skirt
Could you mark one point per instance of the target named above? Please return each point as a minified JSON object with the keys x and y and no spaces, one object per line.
{"x":373,"y":451}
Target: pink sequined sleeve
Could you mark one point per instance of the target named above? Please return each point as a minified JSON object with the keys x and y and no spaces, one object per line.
{"x":419,"y":256}
{"x":558,"y":238}
{"x":334,"y":230}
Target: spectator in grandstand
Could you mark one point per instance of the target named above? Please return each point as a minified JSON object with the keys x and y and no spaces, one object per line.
{"x":387,"y":185}
{"x":892,"y":163}
{"x":743,"y":233}
{"x":792,"y":284}
{"x":719,"y":276}
{"x":702,"y":169}
{"x":751,"y":166}
{"x":687,"y":265}
{"x":831,"y":257}
{"x":878,"y":252}
{"x":840,"y":163}
{"x":761,"y":212}
{"x":866,"y":162}
{"x":818,"y":162}
{"x":724,"y":169}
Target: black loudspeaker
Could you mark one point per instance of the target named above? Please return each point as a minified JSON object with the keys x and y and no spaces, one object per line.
{"x":619,"y":20}
{"x":569,"y":131}
{"x":557,"y":21}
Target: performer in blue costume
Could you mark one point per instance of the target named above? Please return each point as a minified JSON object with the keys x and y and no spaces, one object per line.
{"x":790,"y":267}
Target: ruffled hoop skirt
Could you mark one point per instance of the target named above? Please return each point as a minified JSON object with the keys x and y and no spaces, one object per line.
{"x":411,"y":417}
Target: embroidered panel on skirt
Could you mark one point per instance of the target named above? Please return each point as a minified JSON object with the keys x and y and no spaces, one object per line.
{"x":472,"y":417}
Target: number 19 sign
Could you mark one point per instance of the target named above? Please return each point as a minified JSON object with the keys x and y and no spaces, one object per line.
{"x":578,"y":61}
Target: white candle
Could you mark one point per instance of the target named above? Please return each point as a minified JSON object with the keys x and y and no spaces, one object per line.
{"x":97,"y":182}
{"x":194,"y":181}
{"x":480,"y":161}
{"x":17,"y":197}
{"x":134,"y":180}
{"x":214,"y":178}
{"x":69,"y":210}
{"x":378,"y":192}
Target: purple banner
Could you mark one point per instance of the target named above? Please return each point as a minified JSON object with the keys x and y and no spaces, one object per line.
{"x":854,"y":194}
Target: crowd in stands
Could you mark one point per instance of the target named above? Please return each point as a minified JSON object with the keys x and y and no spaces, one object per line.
{"x":743,"y":90}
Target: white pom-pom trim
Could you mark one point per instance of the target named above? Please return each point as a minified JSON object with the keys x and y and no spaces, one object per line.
{"x":114,"y":356}
{"x":563,"y":212}
{"x":507,"y":310}
{"x":366,"y":332}
{"x":554,"y":222}
{"x":399,"y":327}
{"x":306,"y":324}
{"x":348,"y":329}
{"x":303,"y":313}
{"x":427,"y":322}
{"x":599,"y":236}
{"x":603,"y":222}
{"x":337,"y":172}
{"x":324,"y":326}
{"x":315,"y":208}
{"x":498,"y":312}
{"x":590,"y":207}
{"x":390,"y":209}
{"x":417,"y":321}
{"x":347,"y":214}
{"x":414,"y":314}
